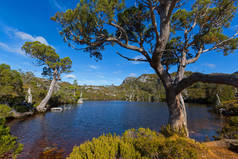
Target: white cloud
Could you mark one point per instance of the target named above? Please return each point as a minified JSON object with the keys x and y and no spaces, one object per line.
{"x":28,"y":37}
{"x":138,"y":57}
{"x":132,"y":74}
{"x":7,"y":48}
{"x":70,"y":76}
{"x":93,"y":67}
{"x":210,"y":65}
{"x":17,"y":39}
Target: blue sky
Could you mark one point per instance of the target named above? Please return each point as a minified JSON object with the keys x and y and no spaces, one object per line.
{"x":29,"y":20}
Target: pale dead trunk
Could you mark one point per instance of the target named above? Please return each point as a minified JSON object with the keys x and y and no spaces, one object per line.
{"x":177,"y":112}
{"x":29,"y":96}
{"x":42,"y":107}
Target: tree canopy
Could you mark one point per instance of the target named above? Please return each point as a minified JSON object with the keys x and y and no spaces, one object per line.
{"x":196,"y":30}
{"x":11,"y":85}
{"x":47,"y":57}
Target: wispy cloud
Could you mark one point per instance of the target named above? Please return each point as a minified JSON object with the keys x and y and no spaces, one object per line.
{"x":93,"y":67}
{"x":57,"y":5}
{"x":210,"y":65}
{"x":28,"y":37}
{"x":132,"y":74}
{"x":8,"y":48}
{"x":70,"y":76}
{"x":17,"y":38}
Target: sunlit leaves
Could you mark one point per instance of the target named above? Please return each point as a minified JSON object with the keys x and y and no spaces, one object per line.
{"x":46,"y":56}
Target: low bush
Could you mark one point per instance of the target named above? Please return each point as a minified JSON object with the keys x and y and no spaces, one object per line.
{"x":5,"y":111}
{"x":230,"y":129}
{"x":138,"y":144}
{"x":9,"y":147}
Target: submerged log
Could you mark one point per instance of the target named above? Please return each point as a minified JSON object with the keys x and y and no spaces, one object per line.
{"x":16,"y":114}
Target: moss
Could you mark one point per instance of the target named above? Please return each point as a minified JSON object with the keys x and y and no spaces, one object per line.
{"x":138,"y":144}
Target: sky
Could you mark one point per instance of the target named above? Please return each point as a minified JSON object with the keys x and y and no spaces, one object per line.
{"x":29,"y":20}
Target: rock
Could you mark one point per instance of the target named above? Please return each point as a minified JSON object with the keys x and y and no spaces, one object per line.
{"x":129,"y":80}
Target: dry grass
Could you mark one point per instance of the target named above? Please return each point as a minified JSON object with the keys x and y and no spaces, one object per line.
{"x":219,"y":150}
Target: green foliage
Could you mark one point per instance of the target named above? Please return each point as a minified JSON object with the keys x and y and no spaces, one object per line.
{"x":211,"y":17}
{"x":230,"y":107}
{"x":168,"y":131}
{"x":11,"y":86}
{"x":230,"y":129}
{"x":138,"y":144}
{"x":47,"y":57}
{"x":5,"y":111}
{"x":9,"y":147}
{"x":93,"y":24}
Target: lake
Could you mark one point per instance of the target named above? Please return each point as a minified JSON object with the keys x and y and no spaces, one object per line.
{"x":94,"y":118}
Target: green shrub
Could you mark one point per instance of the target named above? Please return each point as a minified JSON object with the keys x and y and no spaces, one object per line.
{"x":230,"y":129}
{"x":168,"y":131}
{"x":9,"y":147}
{"x":138,"y":144}
{"x":21,"y":108}
{"x":4,"y":111}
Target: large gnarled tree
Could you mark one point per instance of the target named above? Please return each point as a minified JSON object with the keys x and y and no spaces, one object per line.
{"x":54,"y":66}
{"x":165,"y":32}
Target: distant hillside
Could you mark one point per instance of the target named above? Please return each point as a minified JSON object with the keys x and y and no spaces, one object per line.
{"x":146,"y":87}
{"x":149,"y":86}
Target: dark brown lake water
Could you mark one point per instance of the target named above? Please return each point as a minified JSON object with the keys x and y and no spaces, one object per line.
{"x":94,"y":118}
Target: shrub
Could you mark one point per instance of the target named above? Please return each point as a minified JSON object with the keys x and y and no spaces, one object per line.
{"x":168,"y":131}
{"x":138,"y":144}
{"x":230,"y":129}
{"x":5,"y":111}
{"x":9,"y":147}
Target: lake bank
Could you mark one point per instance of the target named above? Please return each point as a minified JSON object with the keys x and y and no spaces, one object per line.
{"x":94,"y":118}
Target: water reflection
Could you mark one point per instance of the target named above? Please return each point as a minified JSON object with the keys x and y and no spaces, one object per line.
{"x":94,"y":118}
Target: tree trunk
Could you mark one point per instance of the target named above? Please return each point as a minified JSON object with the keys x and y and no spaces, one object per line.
{"x":42,"y":107}
{"x":29,"y":96}
{"x":177,"y":112}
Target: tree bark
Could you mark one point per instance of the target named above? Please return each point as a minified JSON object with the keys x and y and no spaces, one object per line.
{"x":177,"y":112}
{"x":42,"y":107}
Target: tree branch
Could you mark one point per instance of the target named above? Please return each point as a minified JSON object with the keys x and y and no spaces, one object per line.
{"x":207,"y":78}
{"x":217,"y":45}
{"x":127,"y":46}
{"x":154,"y":21}
{"x":132,"y":59}
{"x":123,"y":31}
{"x":171,"y":8}
{"x":201,"y":51}
{"x":130,"y":47}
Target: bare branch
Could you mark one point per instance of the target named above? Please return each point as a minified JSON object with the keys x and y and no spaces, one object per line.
{"x":217,"y":45}
{"x":201,"y":51}
{"x":122,"y":30}
{"x":127,"y":46}
{"x":207,"y":78}
{"x":172,"y":6}
{"x":192,"y":60}
{"x":154,"y":21}
{"x":130,"y":47}
{"x":132,"y":59}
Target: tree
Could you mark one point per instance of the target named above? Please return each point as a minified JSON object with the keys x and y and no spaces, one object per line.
{"x":11,"y":86}
{"x":165,"y":32}
{"x":54,"y":66}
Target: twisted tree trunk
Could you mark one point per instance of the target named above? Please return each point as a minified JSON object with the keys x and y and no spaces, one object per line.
{"x":42,"y":107}
{"x":177,"y":112}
